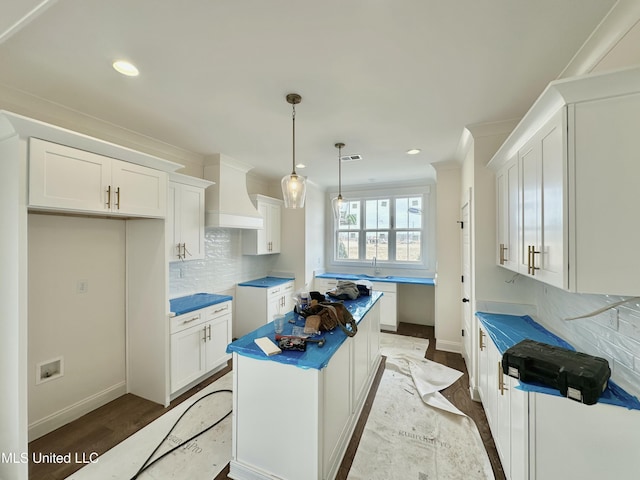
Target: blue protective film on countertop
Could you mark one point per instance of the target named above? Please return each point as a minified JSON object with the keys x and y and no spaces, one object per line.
{"x":265,"y":282}
{"x":314,"y":356}
{"x":374,"y":278}
{"x":508,"y":330}
{"x":182,"y":305}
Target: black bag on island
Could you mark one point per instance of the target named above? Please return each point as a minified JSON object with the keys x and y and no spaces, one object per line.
{"x":576,"y":375}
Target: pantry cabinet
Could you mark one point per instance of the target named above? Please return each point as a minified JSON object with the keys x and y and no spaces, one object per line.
{"x":575,"y":152}
{"x":265,"y":240}
{"x":185,"y":217}
{"x":63,"y":178}
{"x":198,"y":343}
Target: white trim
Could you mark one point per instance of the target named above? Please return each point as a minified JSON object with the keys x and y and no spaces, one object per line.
{"x":57,"y":419}
{"x":448,"y":346}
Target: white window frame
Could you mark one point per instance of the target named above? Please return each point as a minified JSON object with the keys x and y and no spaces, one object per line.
{"x":427,"y":230}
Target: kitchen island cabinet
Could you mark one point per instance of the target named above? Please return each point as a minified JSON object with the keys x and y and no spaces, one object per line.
{"x":294,"y":412}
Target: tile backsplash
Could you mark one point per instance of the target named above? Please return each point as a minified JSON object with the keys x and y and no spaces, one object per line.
{"x":613,"y":334}
{"x":222,"y":268}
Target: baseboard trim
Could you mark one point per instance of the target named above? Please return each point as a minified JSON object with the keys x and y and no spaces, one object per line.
{"x":445,"y":346}
{"x":57,"y":419}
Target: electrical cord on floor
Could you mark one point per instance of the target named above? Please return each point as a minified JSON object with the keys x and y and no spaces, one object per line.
{"x":146,"y":463}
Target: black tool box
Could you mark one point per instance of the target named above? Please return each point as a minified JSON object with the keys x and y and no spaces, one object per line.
{"x":577,"y":375}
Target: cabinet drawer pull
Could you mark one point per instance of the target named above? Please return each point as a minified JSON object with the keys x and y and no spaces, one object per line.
{"x":226,"y":307}
{"x":192,"y":319}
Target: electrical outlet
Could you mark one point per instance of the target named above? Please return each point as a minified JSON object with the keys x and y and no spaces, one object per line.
{"x":613,"y":319}
{"x":82,"y":286}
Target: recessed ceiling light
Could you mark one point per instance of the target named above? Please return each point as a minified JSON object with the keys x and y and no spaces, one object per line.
{"x":413,"y":151}
{"x":126,"y":68}
{"x":300,"y":165}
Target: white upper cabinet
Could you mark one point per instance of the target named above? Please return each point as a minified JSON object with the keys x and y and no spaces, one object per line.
{"x":508,"y":215}
{"x":185,"y":217}
{"x":62,"y":178}
{"x":576,"y":152}
{"x":264,"y":240}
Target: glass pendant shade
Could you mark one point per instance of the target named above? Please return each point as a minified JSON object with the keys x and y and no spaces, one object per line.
{"x":294,"y":187}
{"x":337,"y":204}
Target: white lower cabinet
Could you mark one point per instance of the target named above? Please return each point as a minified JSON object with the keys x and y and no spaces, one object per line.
{"x":199,"y":341}
{"x":540,"y":436}
{"x":388,"y":305}
{"x":256,"y":306}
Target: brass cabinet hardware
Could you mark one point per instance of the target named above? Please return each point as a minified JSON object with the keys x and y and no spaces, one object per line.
{"x":501,"y":386}
{"x":226,"y":307}
{"x":480,"y":340}
{"x":209,"y":334}
{"x":531,"y":260}
{"x":118,"y":197}
{"x":503,"y":258}
{"x":204,"y":330}
{"x":108,"y":204}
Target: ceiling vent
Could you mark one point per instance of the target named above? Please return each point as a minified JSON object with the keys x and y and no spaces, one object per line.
{"x":350,"y":158}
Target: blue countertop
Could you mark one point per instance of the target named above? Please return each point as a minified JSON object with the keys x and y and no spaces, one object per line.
{"x":265,"y":282}
{"x":314,"y":356}
{"x":182,"y":305}
{"x":375,"y":278}
{"x":508,"y":330}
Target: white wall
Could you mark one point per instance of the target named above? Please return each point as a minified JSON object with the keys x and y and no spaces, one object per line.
{"x":13,"y":326}
{"x":448,"y":312}
{"x":85,"y":329}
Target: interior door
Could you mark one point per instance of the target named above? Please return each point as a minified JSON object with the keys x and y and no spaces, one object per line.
{"x":468,"y":329}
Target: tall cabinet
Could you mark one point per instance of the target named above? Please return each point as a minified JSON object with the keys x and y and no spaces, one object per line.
{"x":574,"y":152}
{"x":264,"y":240}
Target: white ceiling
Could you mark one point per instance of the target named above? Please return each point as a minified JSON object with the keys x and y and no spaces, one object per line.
{"x":382,"y":76}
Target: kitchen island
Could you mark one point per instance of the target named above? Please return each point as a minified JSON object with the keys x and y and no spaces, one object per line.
{"x":294,"y":412}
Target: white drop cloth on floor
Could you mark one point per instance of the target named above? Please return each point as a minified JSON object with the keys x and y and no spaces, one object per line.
{"x":200,"y":459}
{"x":413,"y":431}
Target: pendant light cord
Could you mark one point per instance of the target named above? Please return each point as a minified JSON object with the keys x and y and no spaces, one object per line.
{"x":293,"y":118}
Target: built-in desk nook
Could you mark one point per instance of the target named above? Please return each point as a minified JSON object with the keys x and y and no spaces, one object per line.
{"x":294,"y":412}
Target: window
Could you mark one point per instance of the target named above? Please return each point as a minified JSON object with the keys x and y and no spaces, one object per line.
{"x":389,"y":228}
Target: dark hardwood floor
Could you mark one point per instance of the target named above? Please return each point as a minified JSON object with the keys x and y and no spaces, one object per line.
{"x":109,"y":425}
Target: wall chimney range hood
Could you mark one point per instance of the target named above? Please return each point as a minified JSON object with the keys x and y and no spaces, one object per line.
{"x":227,"y":203}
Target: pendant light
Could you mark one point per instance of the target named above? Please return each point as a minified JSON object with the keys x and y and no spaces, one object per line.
{"x":294,"y":186}
{"x":337,"y":202}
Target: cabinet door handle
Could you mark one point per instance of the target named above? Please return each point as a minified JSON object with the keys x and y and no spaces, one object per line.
{"x":531,"y":261}
{"x":501,"y":386}
{"x":204,"y":338}
{"x":503,"y":258}
{"x":209,"y":334}
{"x":108,"y":204}
{"x":481,"y":344}
{"x":117,"y":204}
